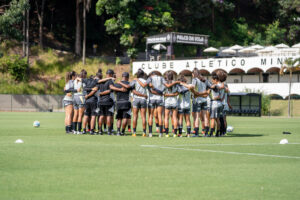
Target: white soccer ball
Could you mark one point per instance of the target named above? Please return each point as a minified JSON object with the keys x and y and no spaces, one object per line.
{"x":229,"y":129}
{"x":36,"y":124}
{"x":284,"y":141}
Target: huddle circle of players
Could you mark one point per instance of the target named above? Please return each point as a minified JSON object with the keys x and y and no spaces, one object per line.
{"x":95,"y":100}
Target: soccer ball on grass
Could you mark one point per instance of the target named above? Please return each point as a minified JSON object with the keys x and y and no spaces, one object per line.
{"x":229,"y":129}
{"x":36,"y":124}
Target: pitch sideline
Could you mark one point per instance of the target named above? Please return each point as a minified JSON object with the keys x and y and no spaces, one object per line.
{"x":224,"y":152}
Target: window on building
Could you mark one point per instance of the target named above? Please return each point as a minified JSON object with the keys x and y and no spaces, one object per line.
{"x":236,"y":81}
{"x":265,"y":78}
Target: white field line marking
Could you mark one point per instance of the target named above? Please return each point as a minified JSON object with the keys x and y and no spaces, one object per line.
{"x":220,"y":144}
{"x":224,"y":152}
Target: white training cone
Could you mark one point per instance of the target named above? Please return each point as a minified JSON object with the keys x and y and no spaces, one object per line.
{"x":19,"y":141}
{"x":284,"y":141}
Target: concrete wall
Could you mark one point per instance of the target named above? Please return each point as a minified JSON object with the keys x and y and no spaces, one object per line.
{"x":251,"y":78}
{"x":281,"y":89}
{"x":30,"y":102}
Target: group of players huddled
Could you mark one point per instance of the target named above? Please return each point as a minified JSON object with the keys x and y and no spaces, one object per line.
{"x":95,"y":100}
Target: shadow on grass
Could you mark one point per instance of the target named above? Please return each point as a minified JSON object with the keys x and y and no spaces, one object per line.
{"x":243,"y":135}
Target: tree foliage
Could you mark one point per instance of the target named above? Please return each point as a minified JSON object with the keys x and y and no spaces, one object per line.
{"x":11,"y":18}
{"x":132,"y":20}
{"x":124,"y":24}
{"x":15,"y":66}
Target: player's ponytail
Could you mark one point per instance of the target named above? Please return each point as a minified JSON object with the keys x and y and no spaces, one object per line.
{"x":68,"y":77}
{"x":83,"y":74}
{"x":140,"y":73}
{"x":169,"y":76}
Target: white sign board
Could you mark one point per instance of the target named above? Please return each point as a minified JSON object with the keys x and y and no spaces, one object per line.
{"x":212,"y":64}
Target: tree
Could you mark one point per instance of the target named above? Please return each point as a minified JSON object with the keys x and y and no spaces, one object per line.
{"x":78,"y":29}
{"x":40,"y":14}
{"x":132,"y":20}
{"x":290,"y":65}
{"x":274,"y":34}
{"x":86,"y":7}
{"x":11,"y":18}
{"x":289,"y":13}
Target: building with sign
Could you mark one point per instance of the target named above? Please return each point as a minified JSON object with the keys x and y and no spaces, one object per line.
{"x":256,"y":73}
{"x":172,"y":38}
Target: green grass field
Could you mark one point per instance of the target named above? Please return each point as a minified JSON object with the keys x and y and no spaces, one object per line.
{"x":247,"y":164}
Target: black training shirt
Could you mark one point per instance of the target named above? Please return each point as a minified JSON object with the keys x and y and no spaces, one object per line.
{"x":123,"y":101}
{"x":90,"y":84}
{"x":105,"y":99}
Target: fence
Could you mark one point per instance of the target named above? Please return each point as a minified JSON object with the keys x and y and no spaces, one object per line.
{"x":48,"y":103}
{"x":26,"y":103}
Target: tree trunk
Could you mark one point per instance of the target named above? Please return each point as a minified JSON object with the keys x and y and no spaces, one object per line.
{"x":213,"y":18}
{"x":84,"y":32}
{"x":40,"y":15}
{"x":41,"y":24}
{"x":27,"y":39}
{"x":78,"y":30}
{"x":24,"y":34}
{"x":290,"y":88}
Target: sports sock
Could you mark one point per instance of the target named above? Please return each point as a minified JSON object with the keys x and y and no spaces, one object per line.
{"x":196,"y":131}
{"x":119,"y":129}
{"x":180,"y":130}
{"x":104,"y":126}
{"x":144,"y":130}
{"x":172,"y":127}
{"x":129,"y":126}
{"x":150,"y":129}
{"x":123,"y":131}
{"x":67,"y":130}
{"x":70,"y":128}
{"x":206,"y":130}
{"x":112,"y":127}
{"x":188,"y":130}
{"x":134,"y":130}
{"x":160,"y":129}
{"x":109,"y":130}
{"x":222,"y":125}
{"x":157,"y":125}
{"x":89,"y":127}
{"x":74,"y":126}
{"x":79,"y":125}
{"x":218,"y":133}
{"x":212,"y":130}
{"x":167,"y":130}
{"x":175,"y":131}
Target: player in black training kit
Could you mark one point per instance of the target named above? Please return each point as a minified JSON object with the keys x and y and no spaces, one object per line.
{"x":106,"y":103}
{"x":90,"y":104}
{"x":123,"y":104}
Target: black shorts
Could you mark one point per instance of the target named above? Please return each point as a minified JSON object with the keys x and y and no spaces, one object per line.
{"x":155,"y":103}
{"x":184,"y":110}
{"x":139,"y":103}
{"x":90,"y":109}
{"x":106,"y":110}
{"x":194,"y":107}
{"x":198,"y":107}
{"x":123,"y":114}
{"x":171,"y":107}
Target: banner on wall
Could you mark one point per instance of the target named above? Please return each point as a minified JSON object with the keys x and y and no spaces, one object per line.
{"x":211,"y":64}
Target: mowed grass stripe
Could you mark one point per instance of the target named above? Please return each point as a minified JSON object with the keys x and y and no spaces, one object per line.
{"x":224,"y":152}
{"x":53,"y":165}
